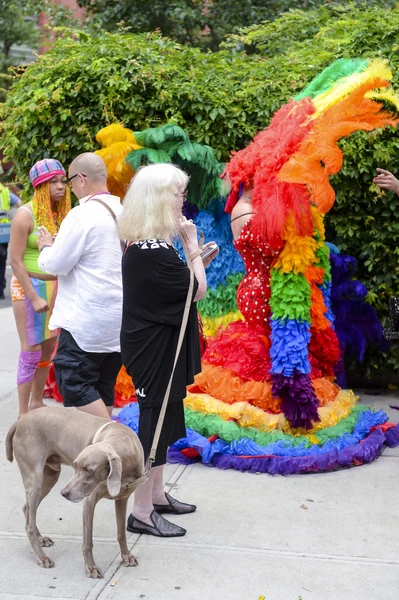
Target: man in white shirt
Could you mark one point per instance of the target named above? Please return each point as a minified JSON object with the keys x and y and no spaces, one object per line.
{"x":86,"y":256}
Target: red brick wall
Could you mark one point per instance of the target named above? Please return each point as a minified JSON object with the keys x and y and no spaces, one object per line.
{"x":72,"y":4}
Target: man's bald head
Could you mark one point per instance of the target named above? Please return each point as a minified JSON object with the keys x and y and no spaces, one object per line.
{"x":91,"y":165}
{"x":88,"y":175}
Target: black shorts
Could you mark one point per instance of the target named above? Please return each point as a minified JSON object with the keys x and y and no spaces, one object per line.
{"x":84,"y":377}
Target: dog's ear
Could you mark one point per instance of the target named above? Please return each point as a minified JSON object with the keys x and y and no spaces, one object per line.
{"x":115,"y":473}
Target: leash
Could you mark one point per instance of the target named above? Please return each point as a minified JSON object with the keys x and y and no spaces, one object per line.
{"x":183,"y":327}
{"x":161,"y":418}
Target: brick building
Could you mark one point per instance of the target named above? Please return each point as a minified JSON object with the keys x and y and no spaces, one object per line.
{"x":23,"y":54}
{"x":72,"y":4}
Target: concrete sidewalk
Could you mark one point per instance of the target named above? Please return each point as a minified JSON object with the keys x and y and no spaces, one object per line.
{"x":309,"y":537}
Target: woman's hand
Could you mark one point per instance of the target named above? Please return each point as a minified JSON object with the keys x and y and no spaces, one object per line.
{"x":207,"y":261}
{"x":188,"y":234}
{"x":40,"y":305}
{"x":45,"y":239}
{"x":386,"y":181}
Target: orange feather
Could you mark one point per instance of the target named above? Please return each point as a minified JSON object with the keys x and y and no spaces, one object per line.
{"x":318,"y":156}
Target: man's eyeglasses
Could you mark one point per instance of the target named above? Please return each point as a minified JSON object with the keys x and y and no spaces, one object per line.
{"x":68,"y":180}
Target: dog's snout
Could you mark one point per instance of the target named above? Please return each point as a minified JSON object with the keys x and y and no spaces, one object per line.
{"x":65,"y":493}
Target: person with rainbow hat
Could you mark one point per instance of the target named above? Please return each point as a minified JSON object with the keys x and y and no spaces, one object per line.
{"x":32,"y":290}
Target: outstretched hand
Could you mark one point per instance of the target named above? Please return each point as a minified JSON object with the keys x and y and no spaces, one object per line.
{"x":386,"y":181}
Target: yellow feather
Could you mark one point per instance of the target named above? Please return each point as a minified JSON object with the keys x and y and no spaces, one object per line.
{"x":387,"y":95}
{"x":116,"y":151}
{"x":377,"y":69}
{"x":115,"y":133}
{"x":117,"y":142}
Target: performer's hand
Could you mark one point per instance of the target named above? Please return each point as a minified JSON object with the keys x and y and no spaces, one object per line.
{"x":40,"y":305}
{"x":45,"y":238}
{"x":386,"y":181}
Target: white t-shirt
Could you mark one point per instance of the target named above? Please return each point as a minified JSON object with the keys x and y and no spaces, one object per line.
{"x":86,"y":256}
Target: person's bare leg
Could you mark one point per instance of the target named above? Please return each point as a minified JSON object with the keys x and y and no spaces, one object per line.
{"x":158,"y":492}
{"x":39,"y":380}
{"x":142,"y":504}
{"x":24,"y":389}
{"x":143,"y":508}
{"x":110,"y":409}
{"x":96,"y":408}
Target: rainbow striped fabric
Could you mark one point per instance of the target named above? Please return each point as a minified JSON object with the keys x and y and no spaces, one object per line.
{"x":37,"y":323}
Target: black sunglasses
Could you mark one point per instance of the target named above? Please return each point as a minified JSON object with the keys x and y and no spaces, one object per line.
{"x":68,"y":180}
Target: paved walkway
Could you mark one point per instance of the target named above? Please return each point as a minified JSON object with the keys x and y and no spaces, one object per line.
{"x":310,"y":537}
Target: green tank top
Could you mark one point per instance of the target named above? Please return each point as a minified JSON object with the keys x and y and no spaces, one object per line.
{"x":32,"y":251}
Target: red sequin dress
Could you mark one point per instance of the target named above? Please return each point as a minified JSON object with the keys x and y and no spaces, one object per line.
{"x":253,"y":293}
{"x":243,"y":346}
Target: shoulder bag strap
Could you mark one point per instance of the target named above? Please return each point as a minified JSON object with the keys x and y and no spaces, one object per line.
{"x":111,"y":212}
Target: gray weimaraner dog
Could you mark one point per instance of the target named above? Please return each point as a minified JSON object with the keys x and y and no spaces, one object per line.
{"x":47,"y":438}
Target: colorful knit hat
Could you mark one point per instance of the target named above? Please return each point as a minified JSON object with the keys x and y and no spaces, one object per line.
{"x":44,"y":170}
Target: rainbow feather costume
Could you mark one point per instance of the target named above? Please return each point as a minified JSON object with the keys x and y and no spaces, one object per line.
{"x":266,"y":400}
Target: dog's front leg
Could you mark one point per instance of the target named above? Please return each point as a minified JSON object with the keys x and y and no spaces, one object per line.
{"x":88,"y":514}
{"x":120,"y":509}
{"x":33,"y":497}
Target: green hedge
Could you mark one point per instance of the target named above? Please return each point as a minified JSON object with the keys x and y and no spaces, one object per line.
{"x":222,"y":99}
{"x":85,"y":83}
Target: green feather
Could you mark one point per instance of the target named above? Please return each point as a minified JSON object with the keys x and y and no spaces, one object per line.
{"x":146,"y":156}
{"x":339,"y":69}
{"x":169,"y":143}
{"x":156,"y":136}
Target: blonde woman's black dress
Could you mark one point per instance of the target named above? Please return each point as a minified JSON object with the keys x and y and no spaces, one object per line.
{"x":155,"y":287}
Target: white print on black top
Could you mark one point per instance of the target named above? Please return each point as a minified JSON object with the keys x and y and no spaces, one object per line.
{"x":140,"y":393}
{"x":150,"y":244}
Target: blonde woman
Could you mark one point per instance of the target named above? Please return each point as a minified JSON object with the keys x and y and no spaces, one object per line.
{"x":33,"y":291}
{"x":155,"y":287}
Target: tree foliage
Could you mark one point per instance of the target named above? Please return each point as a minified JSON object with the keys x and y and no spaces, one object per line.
{"x":202,"y":23}
{"x":17,"y":27}
{"x":222,"y":99}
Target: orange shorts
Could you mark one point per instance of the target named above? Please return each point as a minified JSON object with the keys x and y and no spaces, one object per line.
{"x":17,"y":292}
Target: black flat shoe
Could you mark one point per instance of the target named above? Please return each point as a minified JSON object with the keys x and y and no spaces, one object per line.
{"x":174,"y":507}
{"x":160,"y":528}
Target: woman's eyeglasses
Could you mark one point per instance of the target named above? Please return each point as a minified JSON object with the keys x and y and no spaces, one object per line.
{"x":68,"y":180}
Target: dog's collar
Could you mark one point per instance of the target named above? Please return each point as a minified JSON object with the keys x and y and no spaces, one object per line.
{"x":98,"y":432}
{"x":137,"y":482}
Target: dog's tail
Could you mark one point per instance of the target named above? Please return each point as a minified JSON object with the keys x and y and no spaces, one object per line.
{"x":9,"y":440}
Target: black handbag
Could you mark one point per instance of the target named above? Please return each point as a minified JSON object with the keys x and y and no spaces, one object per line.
{"x":392,"y":331}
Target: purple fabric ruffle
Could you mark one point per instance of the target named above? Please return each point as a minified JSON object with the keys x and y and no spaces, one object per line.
{"x":392,"y":437}
{"x":365,"y":452}
{"x":298,"y":399}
